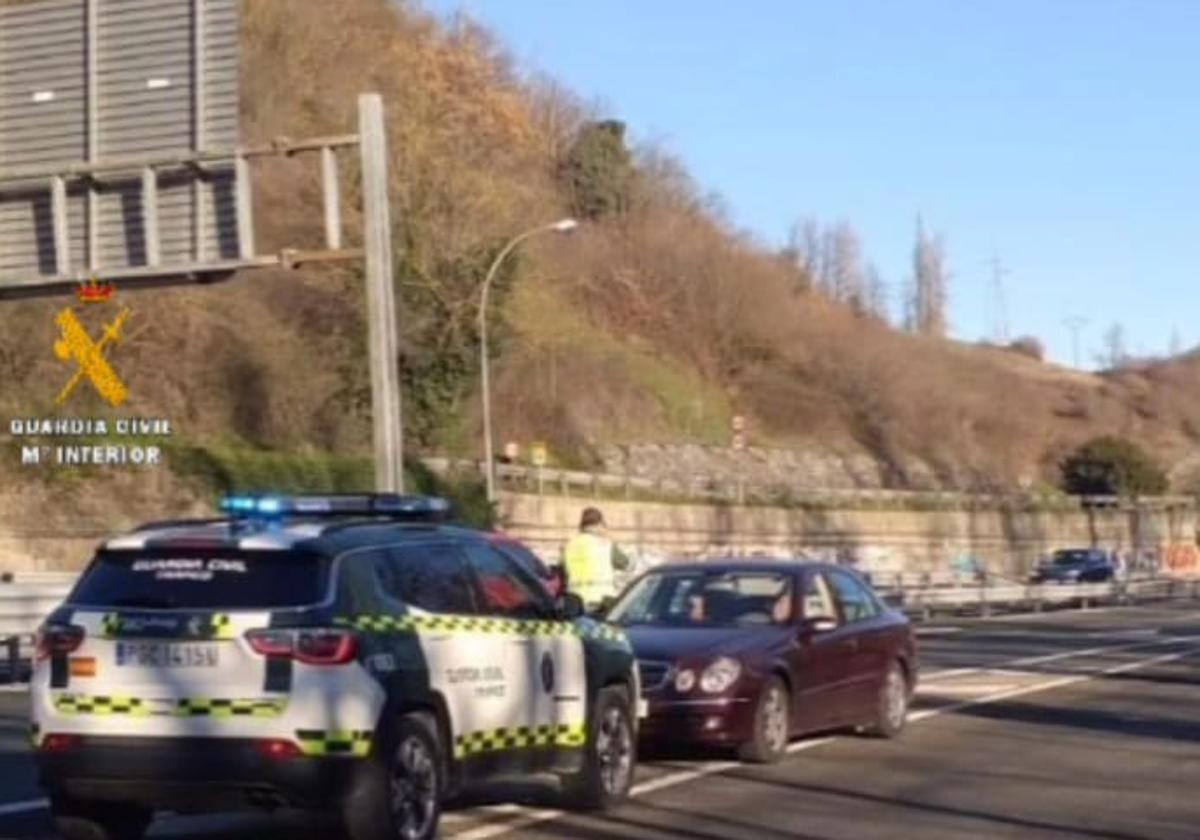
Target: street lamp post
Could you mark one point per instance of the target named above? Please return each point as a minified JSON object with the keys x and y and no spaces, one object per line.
{"x":489,"y":466}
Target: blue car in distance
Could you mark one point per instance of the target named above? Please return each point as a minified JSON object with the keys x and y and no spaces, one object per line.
{"x":1075,"y":565}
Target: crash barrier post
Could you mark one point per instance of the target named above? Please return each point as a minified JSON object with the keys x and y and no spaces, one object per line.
{"x":12,"y":658}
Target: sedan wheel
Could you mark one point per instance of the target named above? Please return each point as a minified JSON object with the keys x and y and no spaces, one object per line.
{"x":892,"y":704}
{"x":772,"y":725}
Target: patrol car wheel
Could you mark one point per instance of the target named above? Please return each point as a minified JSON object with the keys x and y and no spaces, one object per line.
{"x":77,"y":820}
{"x":405,"y":800}
{"x":607,"y":773}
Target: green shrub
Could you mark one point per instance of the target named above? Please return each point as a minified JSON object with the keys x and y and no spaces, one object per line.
{"x":1111,"y":466}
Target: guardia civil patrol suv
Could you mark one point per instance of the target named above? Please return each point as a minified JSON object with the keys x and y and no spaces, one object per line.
{"x":336,"y":652}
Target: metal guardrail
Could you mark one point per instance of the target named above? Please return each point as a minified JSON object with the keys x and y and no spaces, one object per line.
{"x":27,"y":600}
{"x":709,"y":488}
{"x":985,"y":597}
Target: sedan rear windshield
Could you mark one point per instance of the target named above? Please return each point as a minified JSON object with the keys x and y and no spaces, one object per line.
{"x":1070,"y":557}
{"x":203,"y":579}
{"x":706,"y":599}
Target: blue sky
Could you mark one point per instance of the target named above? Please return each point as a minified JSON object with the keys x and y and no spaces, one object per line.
{"x":1063,"y":134}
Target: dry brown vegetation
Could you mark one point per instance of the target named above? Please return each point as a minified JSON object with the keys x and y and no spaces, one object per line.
{"x":653,"y":324}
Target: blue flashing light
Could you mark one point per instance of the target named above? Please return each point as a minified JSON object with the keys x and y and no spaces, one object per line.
{"x":269,"y":506}
{"x":238,"y":504}
{"x":380,"y":504}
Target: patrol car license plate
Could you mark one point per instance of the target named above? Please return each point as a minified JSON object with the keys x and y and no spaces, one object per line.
{"x":168,"y":655}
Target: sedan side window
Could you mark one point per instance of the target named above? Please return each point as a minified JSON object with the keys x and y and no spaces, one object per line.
{"x":856,"y":601}
{"x":818,"y":600}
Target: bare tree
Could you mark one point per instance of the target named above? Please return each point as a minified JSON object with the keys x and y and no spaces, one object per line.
{"x":804,"y":250}
{"x":846,"y":279}
{"x":1175,"y":347}
{"x":1113,"y":353}
{"x":875,"y":294}
{"x":926,"y":299}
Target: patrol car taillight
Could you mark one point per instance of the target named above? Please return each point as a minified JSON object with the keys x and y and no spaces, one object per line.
{"x":56,"y":743}
{"x":56,"y":639}
{"x":277,"y":748}
{"x":326,"y":647}
{"x":270,"y":642}
{"x":312,"y":647}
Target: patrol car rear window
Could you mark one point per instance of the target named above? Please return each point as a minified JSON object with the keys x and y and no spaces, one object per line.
{"x":174,"y":579}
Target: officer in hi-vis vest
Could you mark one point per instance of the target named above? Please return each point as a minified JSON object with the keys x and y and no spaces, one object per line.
{"x":590,"y":561}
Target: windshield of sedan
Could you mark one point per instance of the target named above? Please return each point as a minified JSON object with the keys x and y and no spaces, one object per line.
{"x":707,"y":599}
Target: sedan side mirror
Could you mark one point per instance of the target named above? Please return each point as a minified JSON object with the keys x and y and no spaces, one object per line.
{"x":570,"y":606}
{"x":820,"y":624}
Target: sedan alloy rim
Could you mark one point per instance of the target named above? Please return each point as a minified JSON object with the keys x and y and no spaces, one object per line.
{"x":775,"y":720}
{"x":896,"y":700}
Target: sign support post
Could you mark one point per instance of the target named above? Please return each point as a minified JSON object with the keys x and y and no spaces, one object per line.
{"x":381,"y":300}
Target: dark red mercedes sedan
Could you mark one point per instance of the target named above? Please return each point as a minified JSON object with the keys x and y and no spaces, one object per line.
{"x":748,"y":654}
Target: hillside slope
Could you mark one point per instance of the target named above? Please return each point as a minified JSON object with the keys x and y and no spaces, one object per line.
{"x":654,"y":324}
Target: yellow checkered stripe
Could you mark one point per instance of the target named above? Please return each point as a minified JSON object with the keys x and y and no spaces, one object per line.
{"x":519,"y":737}
{"x":222,"y":627}
{"x":77,"y":704}
{"x":322,"y":742}
{"x":225,"y":708}
{"x":219,"y":626}
{"x":477,"y":624}
{"x":607,"y":632}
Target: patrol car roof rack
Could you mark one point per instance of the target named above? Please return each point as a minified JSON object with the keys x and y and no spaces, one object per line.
{"x":334,"y":505}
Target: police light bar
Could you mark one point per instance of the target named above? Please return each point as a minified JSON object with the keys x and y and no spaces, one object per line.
{"x":390,"y":505}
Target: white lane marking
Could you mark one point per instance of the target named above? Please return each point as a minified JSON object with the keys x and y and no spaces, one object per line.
{"x":937,"y":631}
{"x":1061,"y":682}
{"x":1067,"y":616}
{"x":1049,"y":657}
{"x":1148,"y":631}
{"x":968,"y":688}
{"x":484,"y":832}
{"x":24,"y":807}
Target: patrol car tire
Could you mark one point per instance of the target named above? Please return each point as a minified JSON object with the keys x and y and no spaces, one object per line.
{"x":78,"y":820}
{"x":772,"y":725}
{"x":610,"y":754}
{"x":410,"y":756}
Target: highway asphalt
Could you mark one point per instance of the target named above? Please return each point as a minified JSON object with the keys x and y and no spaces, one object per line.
{"x":1063,"y":725}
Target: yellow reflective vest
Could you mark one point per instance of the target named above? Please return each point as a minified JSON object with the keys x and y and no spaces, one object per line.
{"x":588,"y":560}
